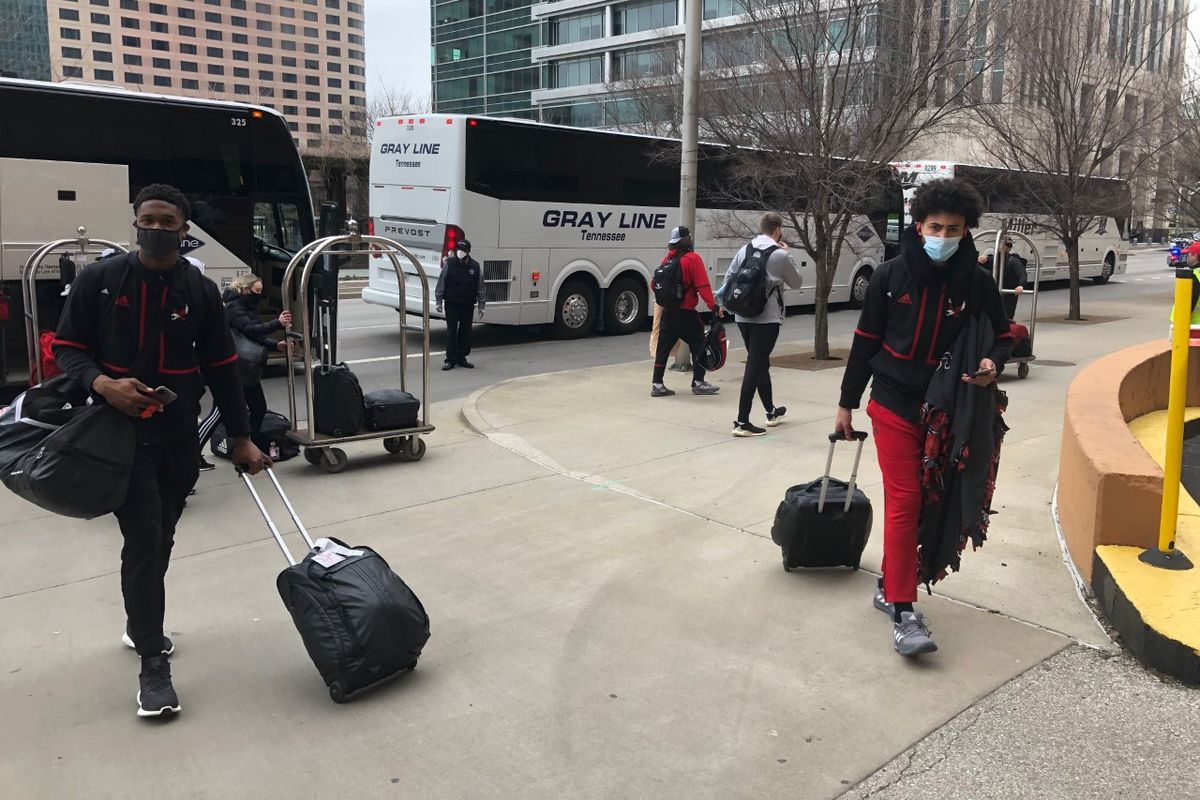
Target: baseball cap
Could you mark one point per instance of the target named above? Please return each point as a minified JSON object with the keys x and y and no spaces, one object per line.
{"x":1192,"y":249}
{"x":677,"y":233}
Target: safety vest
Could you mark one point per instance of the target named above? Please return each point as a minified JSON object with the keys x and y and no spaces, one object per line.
{"x":1195,"y":323}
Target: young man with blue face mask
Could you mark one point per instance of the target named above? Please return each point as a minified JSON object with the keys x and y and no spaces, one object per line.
{"x":915,"y":308}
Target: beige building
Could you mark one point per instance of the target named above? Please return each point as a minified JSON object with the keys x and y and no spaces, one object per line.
{"x":304,"y":58}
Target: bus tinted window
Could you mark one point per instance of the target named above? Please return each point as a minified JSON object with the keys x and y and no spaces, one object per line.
{"x":275,"y":157}
{"x":213,"y":151}
{"x":44,"y":125}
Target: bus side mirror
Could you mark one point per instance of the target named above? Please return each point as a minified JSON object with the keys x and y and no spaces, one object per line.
{"x":328,"y":214}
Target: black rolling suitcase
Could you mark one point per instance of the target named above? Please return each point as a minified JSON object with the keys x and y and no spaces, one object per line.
{"x":390,"y":409}
{"x":825,"y":523}
{"x":337,"y":401}
{"x":359,"y":621}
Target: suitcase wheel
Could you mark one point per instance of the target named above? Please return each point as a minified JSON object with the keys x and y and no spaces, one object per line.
{"x":336,"y":693}
{"x":786,"y":566}
{"x":334,"y":460}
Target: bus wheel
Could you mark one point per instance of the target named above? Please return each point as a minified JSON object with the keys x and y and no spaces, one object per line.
{"x":858,"y":287}
{"x":1106,"y":272}
{"x":624,"y":307}
{"x":575,"y":311}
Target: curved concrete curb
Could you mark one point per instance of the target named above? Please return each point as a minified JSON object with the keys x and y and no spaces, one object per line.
{"x":1150,"y":646}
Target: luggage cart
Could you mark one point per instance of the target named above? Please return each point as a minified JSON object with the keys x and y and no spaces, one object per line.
{"x":83,"y":247}
{"x":1022,"y":362}
{"x":322,"y":449}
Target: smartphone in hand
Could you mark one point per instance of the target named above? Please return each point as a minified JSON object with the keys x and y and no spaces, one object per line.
{"x":165,"y":395}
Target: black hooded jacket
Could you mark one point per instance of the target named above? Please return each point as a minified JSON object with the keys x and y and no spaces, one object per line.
{"x":241,"y":312}
{"x":912,"y":314}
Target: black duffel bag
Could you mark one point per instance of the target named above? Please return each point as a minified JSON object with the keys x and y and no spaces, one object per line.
{"x":65,"y":454}
{"x":272,"y":439}
{"x":81,"y":464}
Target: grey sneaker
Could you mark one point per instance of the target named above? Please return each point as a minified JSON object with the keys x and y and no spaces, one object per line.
{"x":704,"y":387}
{"x":882,"y":604}
{"x":911,"y":635}
{"x":776,"y":416}
{"x":660,"y":391}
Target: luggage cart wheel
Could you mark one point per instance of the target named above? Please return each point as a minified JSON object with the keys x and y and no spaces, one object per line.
{"x":334,"y":460}
{"x":1023,"y":370}
{"x":394,"y":445}
{"x":313,"y":455}
{"x":414,"y":448}
{"x":336,"y":693}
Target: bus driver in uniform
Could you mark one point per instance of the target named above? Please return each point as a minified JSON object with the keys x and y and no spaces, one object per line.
{"x":459,"y":288}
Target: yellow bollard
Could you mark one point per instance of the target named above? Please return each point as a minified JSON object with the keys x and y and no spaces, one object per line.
{"x":1165,"y":555}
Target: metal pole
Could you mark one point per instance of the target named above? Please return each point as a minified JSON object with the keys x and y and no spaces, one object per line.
{"x":693,"y":9}
{"x":1165,"y":555}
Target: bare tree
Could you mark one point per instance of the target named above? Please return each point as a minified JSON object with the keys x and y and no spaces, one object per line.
{"x":813,"y":99}
{"x":1095,"y":94}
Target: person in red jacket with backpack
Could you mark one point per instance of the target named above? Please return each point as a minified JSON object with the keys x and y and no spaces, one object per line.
{"x":681,"y":287}
{"x":915,"y":307}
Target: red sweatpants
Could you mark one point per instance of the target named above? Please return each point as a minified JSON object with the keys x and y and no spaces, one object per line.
{"x":899,"y":445}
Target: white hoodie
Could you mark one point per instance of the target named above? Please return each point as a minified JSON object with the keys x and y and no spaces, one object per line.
{"x":781,"y":273}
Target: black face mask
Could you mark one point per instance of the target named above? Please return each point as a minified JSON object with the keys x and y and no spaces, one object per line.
{"x":158,"y":243}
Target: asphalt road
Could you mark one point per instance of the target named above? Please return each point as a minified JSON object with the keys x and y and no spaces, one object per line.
{"x":369,"y":338}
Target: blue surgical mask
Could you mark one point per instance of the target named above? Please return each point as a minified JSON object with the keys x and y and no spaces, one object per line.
{"x":941,"y":249}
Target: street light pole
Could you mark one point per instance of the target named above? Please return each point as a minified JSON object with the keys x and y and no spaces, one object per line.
{"x":693,"y":9}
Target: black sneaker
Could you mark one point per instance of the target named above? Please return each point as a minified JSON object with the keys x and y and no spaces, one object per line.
{"x":462,"y":362}
{"x":206,"y":465}
{"x":658,"y":390}
{"x":168,"y":647}
{"x":744,"y":429}
{"x":447,"y":366}
{"x":156,"y":696}
{"x":776,"y":416}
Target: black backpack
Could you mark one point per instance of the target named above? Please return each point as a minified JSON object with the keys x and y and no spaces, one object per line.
{"x":746,"y":294}
{"x":668,"y":283}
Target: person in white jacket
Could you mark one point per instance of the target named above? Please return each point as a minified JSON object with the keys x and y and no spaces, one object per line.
{"x":761,"y":332}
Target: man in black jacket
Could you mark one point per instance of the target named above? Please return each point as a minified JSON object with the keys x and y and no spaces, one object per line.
{"x":915,"y":308}
{"x":116,"y":309}
{"x":459,"y":287}
{"x":1016,"y":275}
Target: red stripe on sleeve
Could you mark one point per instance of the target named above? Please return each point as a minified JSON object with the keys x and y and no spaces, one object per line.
{"x":69,"y":343}
{"x":223,"y":362}
{"x":865,"y":335}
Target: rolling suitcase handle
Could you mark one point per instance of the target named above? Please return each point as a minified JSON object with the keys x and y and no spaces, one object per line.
{"x":267,"y":517}
{"x":834,"y":438}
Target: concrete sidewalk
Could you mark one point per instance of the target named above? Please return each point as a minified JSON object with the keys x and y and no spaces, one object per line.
{"x":609,"y":615}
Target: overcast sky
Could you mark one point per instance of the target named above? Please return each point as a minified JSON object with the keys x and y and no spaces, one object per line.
{"x":398,"y":45}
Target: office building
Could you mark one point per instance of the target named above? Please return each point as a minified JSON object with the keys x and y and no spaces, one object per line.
{"x":24,"y":46}
{"x":304,"y":58}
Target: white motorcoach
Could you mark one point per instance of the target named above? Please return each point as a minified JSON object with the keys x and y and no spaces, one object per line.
{"x":569,"y":224}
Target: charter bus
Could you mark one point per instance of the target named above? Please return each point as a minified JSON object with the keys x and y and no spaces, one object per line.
{"x":75,"y":155}
{"x":568,"y":224}
{"x":1007,"y":201}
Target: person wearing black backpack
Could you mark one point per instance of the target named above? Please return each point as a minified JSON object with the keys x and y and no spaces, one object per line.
{"x":679,"y":283}
{"x":152,"y":307}
{"x":753,"y":290}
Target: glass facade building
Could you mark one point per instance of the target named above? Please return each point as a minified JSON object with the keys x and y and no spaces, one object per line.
{"x":482,"y":57}
{"x":24,"y":42}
